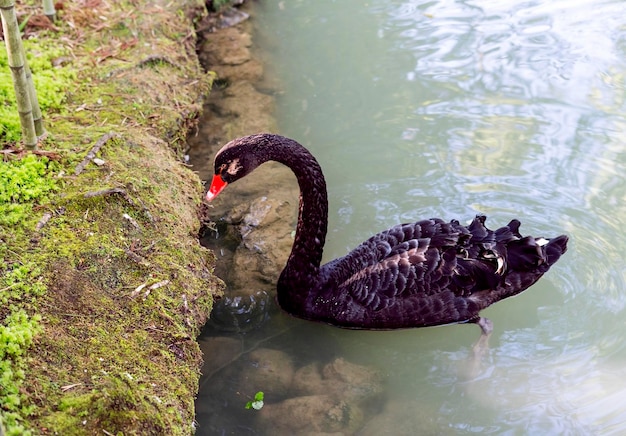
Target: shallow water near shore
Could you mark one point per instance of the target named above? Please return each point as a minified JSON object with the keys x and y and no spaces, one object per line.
{"x":450,"y":109}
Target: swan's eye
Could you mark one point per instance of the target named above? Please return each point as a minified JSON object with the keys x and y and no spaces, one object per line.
{"x":221,"y":169}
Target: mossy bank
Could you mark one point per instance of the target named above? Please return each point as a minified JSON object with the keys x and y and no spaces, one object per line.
{"x":103,"y":285}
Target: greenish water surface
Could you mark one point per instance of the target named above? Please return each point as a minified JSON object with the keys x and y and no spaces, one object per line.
{"x":513,"y":109}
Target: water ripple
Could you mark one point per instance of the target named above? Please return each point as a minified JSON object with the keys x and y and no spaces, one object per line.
{"x":455,"y":107}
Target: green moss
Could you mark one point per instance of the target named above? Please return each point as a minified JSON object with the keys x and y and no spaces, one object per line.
{"x":18,"y":289}
{"x":51,"y":84}
{"x":24,"y":182}
{"x":119,"y":400}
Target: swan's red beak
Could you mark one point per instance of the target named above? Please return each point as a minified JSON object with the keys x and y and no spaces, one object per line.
{"x":217,"y":184}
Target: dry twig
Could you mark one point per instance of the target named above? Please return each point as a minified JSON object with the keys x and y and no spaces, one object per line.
{"x":68,"y":387}
{"x":151,"y":288}
{"x":43,"y":221}
{"x":137,"y":258}
{"x":111,"y":191}
{"x":19,"y":152}
{"x":92,"y":153}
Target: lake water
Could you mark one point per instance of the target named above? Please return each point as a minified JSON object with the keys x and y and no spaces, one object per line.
{"x":417,"y":109}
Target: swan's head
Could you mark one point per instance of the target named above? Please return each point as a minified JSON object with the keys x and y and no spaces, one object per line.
{"x":235,"y":160}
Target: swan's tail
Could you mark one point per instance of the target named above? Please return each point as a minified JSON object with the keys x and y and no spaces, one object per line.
{"x":509,"y":250}
{"x":555,"y":248}
{"x":527,"y":259}
{"x":526,"y":253}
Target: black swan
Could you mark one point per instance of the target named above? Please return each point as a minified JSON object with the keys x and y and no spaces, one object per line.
{"x":426,"y":273}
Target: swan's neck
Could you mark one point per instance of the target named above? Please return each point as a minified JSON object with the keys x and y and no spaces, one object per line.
{"x":302,"y":269}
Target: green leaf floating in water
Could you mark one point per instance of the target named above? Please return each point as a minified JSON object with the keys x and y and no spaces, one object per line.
{"x":257,"y":404}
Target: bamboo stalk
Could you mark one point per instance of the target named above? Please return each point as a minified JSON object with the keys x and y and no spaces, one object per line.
{"x":49,"y":10}
{"x":17,"y":63}
{"x":40,"y":130}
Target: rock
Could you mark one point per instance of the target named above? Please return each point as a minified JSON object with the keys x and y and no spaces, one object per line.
{"x":218,"y":352}
{"x":243,"y":97}
{"x":267,"y":370}
{"x":353,"y":374}
{"x":228,"y":47}
{"x":310,"y":415}
{"x":251,"y":71}
{"x":231,"y":17}
{"x":408,"y":417}
{"x":266,"y":240}
{"x":240,"y":313}
{"x":340,"y":379}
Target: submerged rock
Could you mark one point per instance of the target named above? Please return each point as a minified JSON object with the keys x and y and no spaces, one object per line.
{"x":231,"y":17}
{"x":327,"y":400}
{"x":256,"y":222}
{"x":266,"y":238}
{"x":241,"y":313}
{"x":266,"y":370}
{"x":341,"y":379}
{"x":218,"y":352}
{"x":406,"y":418}
{"x":310,"y":415}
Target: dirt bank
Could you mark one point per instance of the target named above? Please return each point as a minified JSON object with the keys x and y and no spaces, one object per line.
{"x":123,"y":286}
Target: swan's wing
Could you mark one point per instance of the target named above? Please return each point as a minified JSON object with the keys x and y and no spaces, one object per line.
{"x":400,"y":239}
{"x":408,"y":258}
{"x":422,"y":259}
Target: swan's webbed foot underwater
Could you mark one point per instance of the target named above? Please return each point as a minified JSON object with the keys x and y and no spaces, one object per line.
{"x":472,"y":368}
{"x":485,"y":325}
{"x":481,"y":346}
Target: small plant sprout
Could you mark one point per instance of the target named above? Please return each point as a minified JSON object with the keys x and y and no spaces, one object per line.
{"x":257,"y":404}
